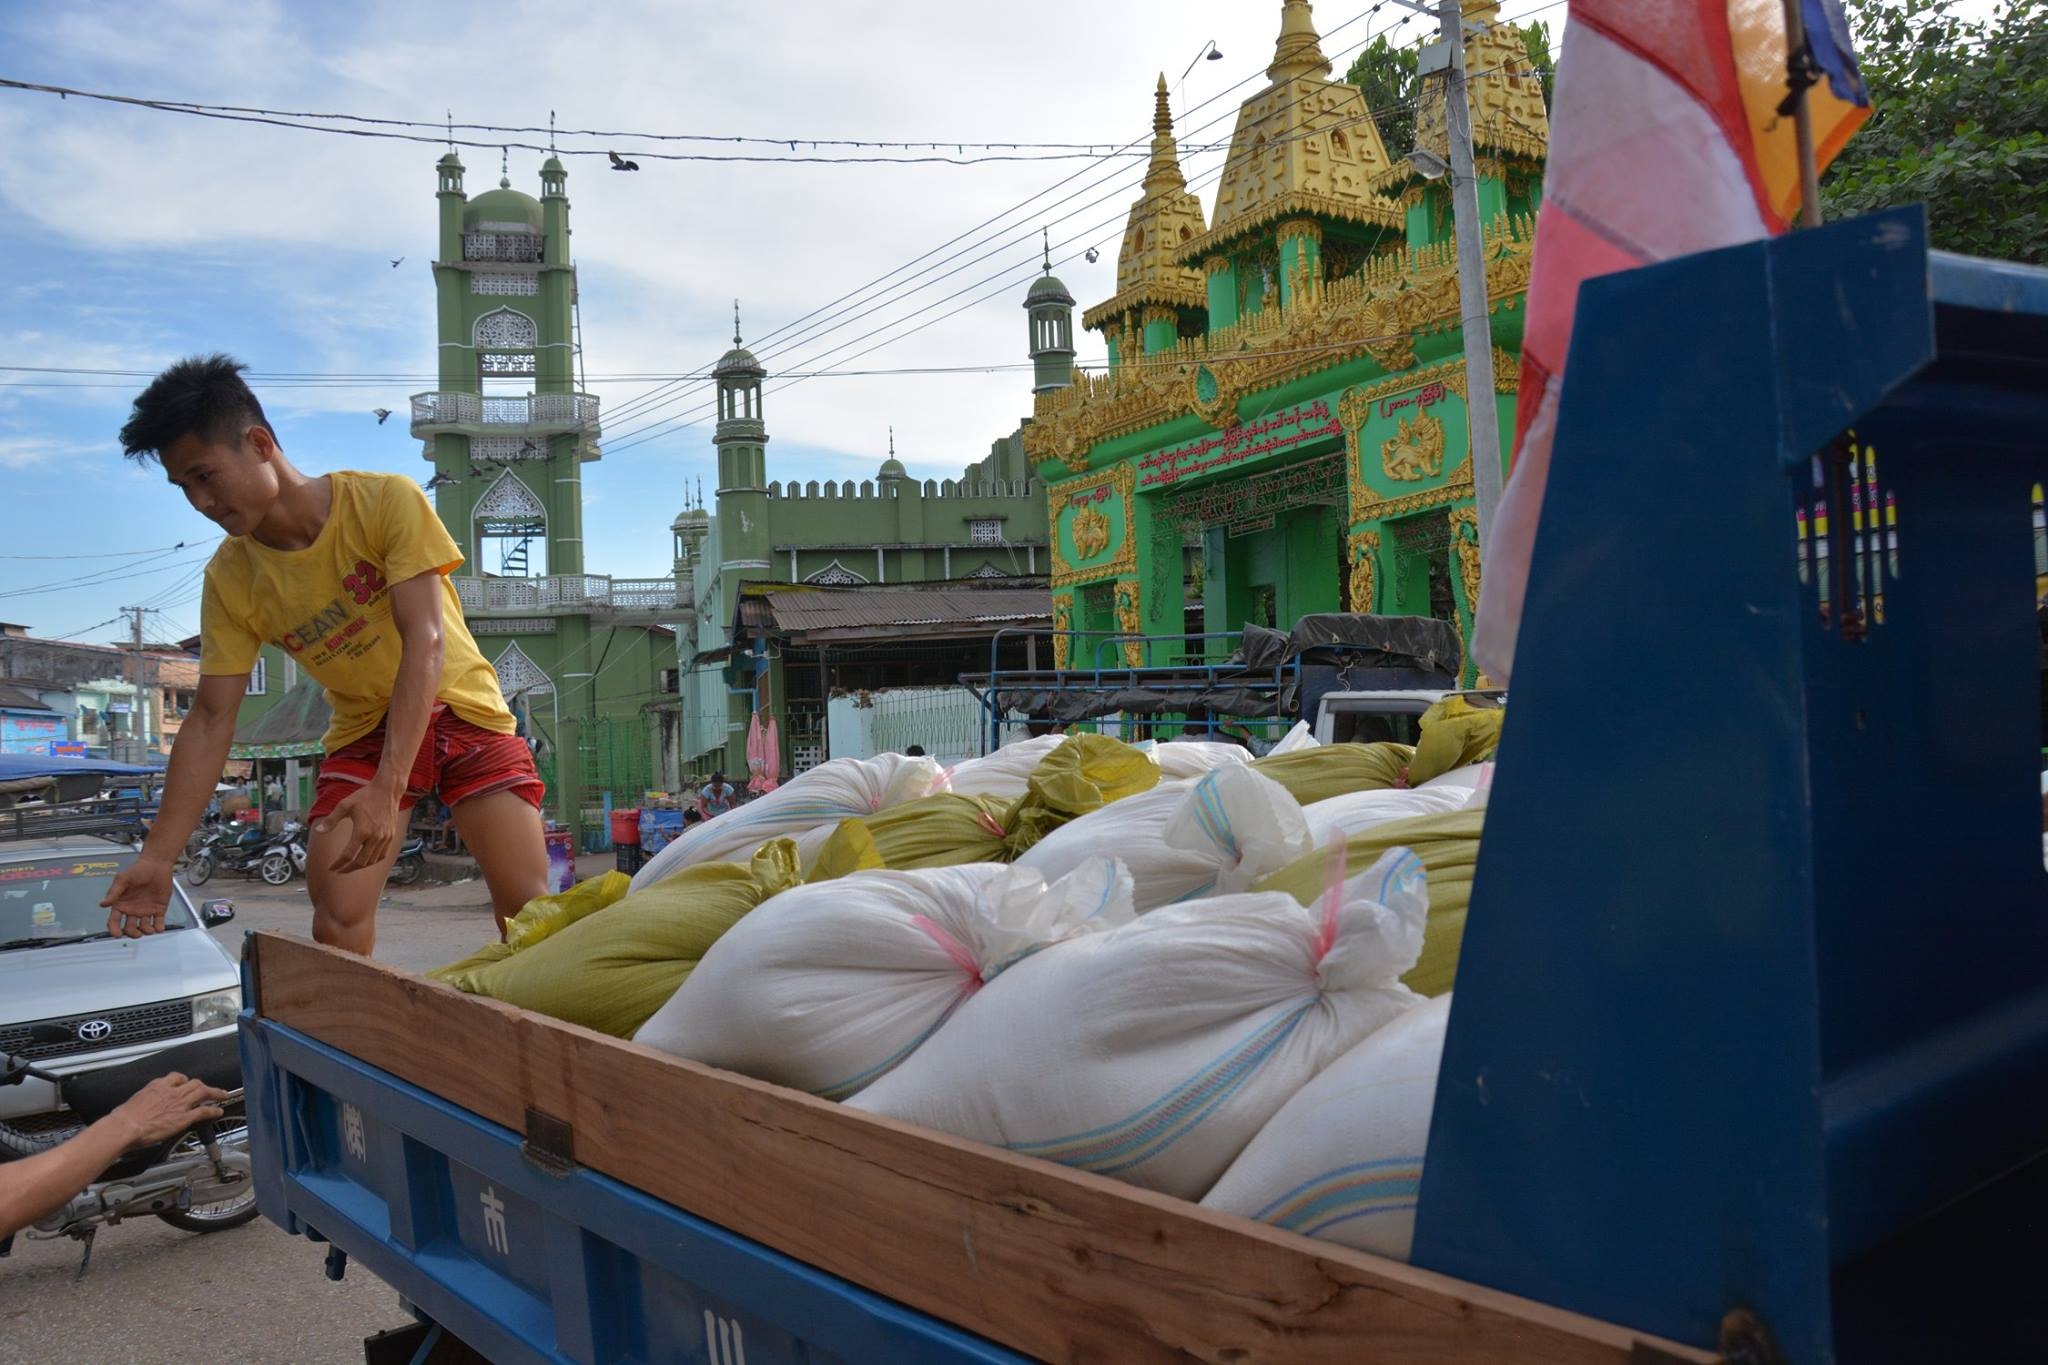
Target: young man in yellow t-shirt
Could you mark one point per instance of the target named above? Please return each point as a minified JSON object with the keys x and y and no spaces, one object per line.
{"x":347,"y":573}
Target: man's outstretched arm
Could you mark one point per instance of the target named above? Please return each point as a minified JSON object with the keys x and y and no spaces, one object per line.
{"x":372,"y":812}
{"x":140,"y":894}
{"x":37,"y":1186}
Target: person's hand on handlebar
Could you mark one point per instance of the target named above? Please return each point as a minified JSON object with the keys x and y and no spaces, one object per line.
{"x":167,"y":1106}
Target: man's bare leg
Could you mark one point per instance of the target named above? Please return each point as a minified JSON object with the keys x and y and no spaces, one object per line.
{"x":504,"y":834}
{"x":345,"y":903}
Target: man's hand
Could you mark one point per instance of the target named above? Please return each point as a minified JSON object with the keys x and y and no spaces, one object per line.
{"x":138,"y":898}
{"x":166,"y":1107}
{"x":372,"y":814}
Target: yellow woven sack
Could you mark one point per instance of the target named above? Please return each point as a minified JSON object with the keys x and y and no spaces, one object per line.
{"x":611,"y":971}
{"x":1085,"y":774}
{"x":1455,"y":734}
{"x":1448,"y":845}
{"x":463,"y":975}
{"x":1337,"y":769}
{"x":942,"y":830}
{"x":545,"y":915}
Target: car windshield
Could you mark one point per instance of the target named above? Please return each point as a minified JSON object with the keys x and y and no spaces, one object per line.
{"x":57,"y":900}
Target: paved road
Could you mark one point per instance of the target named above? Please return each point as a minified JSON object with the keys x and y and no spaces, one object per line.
{"x":253,"y":1294}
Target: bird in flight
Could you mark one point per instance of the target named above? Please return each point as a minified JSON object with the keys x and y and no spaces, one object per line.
{"x":397,"y":263}
{"x":620,"y":163}
{"x":382,"y":413}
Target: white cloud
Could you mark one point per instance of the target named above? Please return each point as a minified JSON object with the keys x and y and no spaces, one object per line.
{"x":26,"y":452}
{"x":297,"y":228}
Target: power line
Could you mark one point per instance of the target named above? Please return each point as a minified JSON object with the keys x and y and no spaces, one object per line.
{"x":904,"y":288}
{"x":697,"y":413}
{"x":69,"y":585}
{"x":111,"y":554}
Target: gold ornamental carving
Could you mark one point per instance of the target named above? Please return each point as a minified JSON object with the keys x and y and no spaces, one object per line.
{"x":1376,"y":313}
{"x":1292,"y":228}
{"x":1354,"y":409}
{"x":1415,"y":451}
{"x":1507,"y":372}
{"x":1062,"y":622}
{"x":1091,"y":532}
{"x":1365,"y":554}
{"x":1465,"y":536}
{"x":1130,"y":621}
{"x":1390,"y":343}
{"x":1121,"y":480}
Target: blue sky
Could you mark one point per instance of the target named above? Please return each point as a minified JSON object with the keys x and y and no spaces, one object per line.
{"x":134,"y":237}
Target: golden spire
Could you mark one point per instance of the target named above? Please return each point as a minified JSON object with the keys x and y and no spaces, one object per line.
{"x":1164,"y":173}
{"x":1299,"y":52}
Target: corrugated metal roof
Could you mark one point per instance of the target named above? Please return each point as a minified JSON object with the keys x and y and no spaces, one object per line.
{"x":20,"y":699}
{"x":853,"y":613}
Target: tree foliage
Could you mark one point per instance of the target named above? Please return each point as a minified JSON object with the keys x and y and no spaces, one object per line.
{"x":1959,"y":121}
{"x":1386,"y":74}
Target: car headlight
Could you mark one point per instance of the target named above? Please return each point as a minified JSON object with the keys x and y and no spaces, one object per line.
{"x":215,"y":1009}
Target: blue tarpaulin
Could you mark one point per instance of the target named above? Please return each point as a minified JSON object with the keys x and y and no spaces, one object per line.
{"x":25,"y":767}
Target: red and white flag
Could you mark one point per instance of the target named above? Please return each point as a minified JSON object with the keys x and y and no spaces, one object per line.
{"x":1665,"y":139}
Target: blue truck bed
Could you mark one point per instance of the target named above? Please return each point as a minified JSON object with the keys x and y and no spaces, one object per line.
{"x":1750,"y":1043}
{"x":525,"y":1261}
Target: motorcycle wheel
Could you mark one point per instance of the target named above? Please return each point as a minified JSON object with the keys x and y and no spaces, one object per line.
{"x":216,"y":1217}
{"x":408,"y":870}
{"x":276,"y":869}
{"x":199,"y":869}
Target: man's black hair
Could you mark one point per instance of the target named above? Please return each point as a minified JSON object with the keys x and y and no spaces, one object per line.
{"x":200,"y":395}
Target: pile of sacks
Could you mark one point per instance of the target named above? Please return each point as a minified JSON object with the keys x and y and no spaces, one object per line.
{"x":1202,"y":973}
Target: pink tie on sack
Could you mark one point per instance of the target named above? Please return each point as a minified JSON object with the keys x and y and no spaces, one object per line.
{"x":953,"y":948}
{"x":1333,"y":896}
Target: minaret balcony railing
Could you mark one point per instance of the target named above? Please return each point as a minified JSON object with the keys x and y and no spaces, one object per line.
{"x":647,"y":598}
{"x":493,"y":414}
{"x":525,"y":247}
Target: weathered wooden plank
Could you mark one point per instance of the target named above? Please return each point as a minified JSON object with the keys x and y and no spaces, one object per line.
{"x":1058,"y":1263}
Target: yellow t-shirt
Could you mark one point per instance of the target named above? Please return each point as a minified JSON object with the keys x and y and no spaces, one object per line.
{"x":328,"y":606}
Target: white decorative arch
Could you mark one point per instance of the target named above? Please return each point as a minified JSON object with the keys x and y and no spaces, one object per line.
{"x":509,"y":499}
{"x":835,"y":575}
{"x":505,"y":329}
{"x":517,"y":673}
{"x":988,"y":571}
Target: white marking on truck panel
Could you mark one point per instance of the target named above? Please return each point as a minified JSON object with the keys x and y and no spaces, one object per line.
{"x":722,"y":1343}
{"x":495,"y":1231}
{"x":352,"y":1132}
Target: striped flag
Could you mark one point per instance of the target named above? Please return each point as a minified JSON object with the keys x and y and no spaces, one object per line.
{"x":1666,"y":138}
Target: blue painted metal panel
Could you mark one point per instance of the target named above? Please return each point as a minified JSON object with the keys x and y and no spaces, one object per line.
{"x":1755,"y":977}
{"x":532,"y":1267}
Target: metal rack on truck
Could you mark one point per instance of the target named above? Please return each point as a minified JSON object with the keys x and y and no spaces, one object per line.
{"x":1748,"y":1058}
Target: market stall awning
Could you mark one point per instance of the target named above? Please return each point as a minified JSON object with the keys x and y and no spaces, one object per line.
{"x":291,"y":729}
{"x":806,"y":615}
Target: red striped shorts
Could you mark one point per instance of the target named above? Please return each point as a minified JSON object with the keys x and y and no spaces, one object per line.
{"x":457,"y":759}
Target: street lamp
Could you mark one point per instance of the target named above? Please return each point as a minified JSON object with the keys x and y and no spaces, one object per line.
{"x":1428,"y":164}
{"x":1210,"y":51}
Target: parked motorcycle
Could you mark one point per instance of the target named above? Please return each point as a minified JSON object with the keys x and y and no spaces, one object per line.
{"x":276,"y":858}
{"x":198,"y":1181}
{"x":411,"y":864}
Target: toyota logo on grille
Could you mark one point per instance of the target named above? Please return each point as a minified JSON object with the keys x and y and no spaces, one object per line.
{"x":95,"y":1031}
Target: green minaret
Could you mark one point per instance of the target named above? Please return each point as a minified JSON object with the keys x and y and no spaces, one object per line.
{"x":742,"y":539}
{"x":507,"y":434}
{"x":1051,"y":309}
{"x":741,"y":438}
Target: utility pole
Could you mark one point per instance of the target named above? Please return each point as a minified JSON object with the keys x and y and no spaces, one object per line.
{"x":138,"y":724}
{"x":1482,"y":410}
